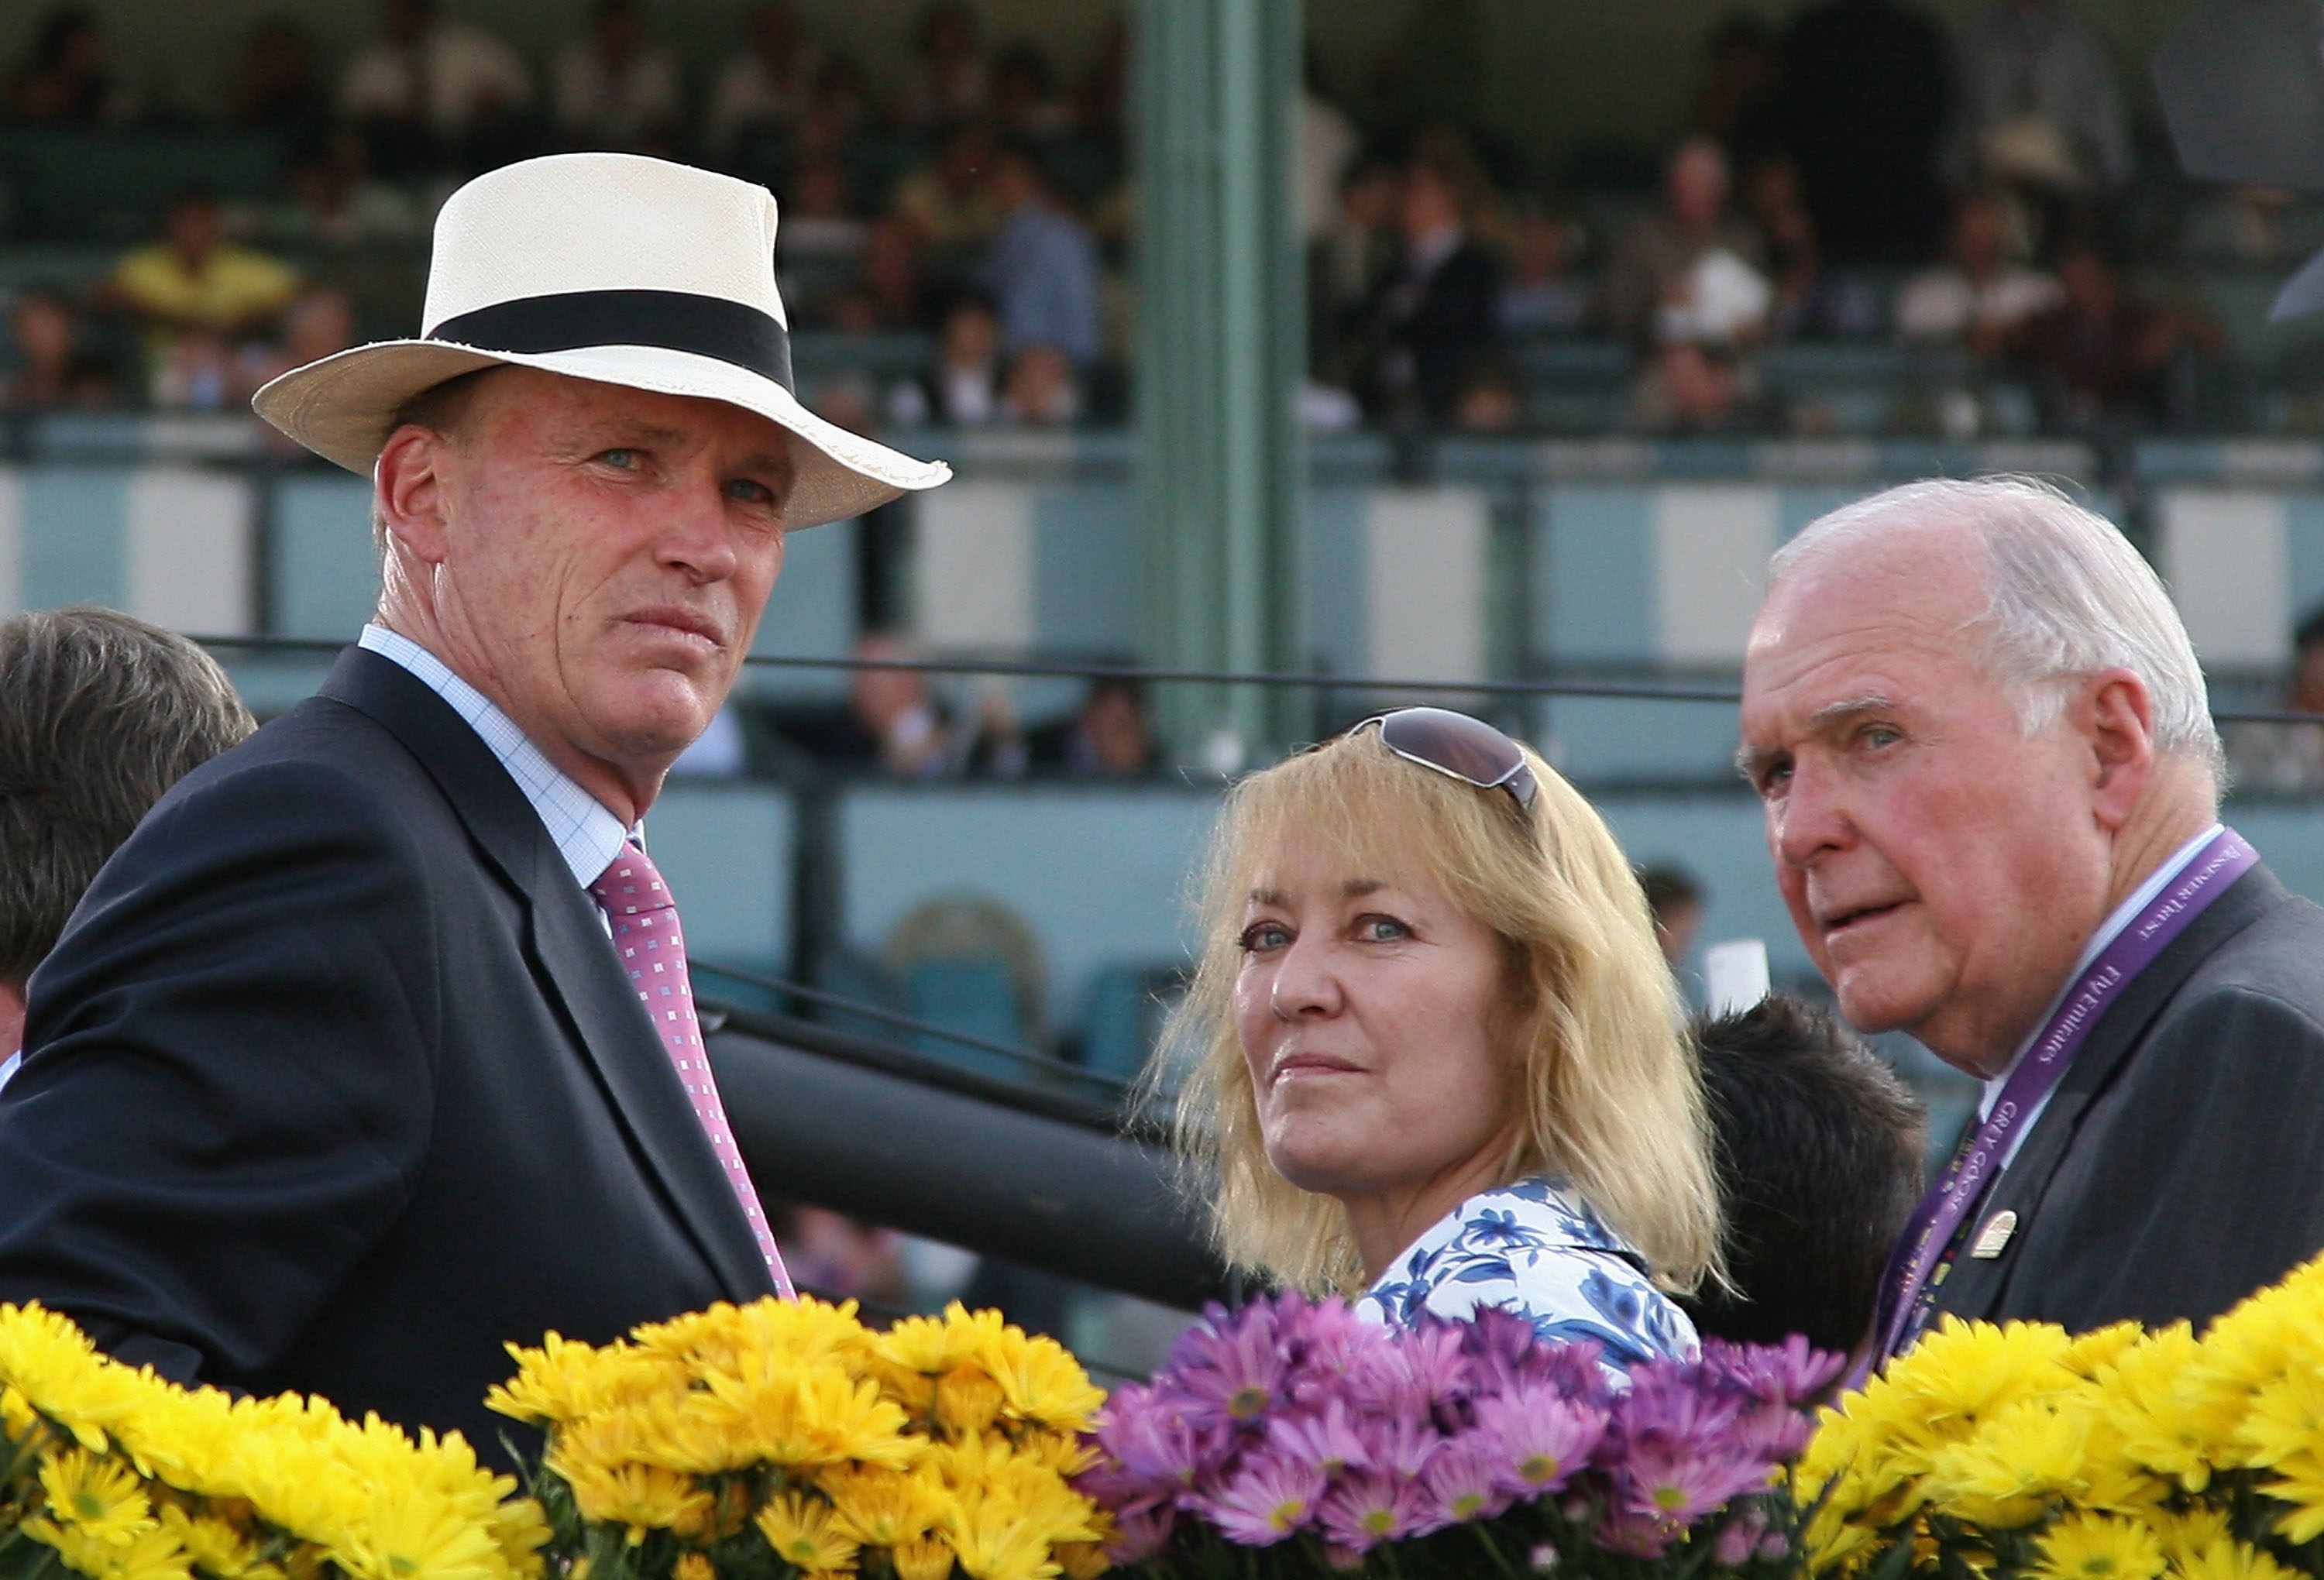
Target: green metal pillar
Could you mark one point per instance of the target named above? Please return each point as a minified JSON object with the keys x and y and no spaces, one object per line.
{"x":1221,"y":349}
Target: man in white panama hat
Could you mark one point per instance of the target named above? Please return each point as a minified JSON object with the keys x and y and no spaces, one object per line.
{"x":375,"y":1048}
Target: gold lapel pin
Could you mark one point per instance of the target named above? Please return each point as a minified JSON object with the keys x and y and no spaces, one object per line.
{"x":1994,"y":1238}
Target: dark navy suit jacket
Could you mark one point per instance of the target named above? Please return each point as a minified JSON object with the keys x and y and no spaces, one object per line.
{"x":2179,"y":1164}
{"x":334,"y":1084}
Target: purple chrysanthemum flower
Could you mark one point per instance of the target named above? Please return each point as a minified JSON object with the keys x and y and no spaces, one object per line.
{"x":1402,"y":1447}
{"x":1267,"y":1498}
{"x":1157,"y":1445}
{"x":1463,"y":1482}
{"x":1366,"y":1508}
{"x":1794,"y":1373}
{"x":1675,"y":1479}
{"x":1503,"y":1351}
{"x":1328,"y":1438}
{"x":1411,"y":1377}
{"x":1227,"y":1371}
{"x":1543,"y":1437}
{"x":1333,"y":1341}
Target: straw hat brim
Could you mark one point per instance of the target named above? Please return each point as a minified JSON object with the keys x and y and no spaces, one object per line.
{"x":343,"y":408}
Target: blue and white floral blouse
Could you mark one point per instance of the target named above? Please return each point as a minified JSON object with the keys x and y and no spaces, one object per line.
{"x":1537,"y":1249}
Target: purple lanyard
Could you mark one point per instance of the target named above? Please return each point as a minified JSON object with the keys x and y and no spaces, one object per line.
{"x":2207,"y":873}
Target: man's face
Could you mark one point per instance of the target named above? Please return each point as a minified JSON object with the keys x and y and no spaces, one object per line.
{"x":1943,"y":867}
{"x":605,"y":554}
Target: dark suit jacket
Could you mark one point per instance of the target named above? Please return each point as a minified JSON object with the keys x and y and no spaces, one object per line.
{"x":2179,"y":1164}
{"x":334,"y":1083}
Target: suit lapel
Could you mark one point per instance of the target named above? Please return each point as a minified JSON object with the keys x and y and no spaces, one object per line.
{"x":1976,"y":1286}
{"x":574,"y":956}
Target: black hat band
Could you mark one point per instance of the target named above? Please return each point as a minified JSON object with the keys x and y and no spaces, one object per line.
{"x":675,"y":320}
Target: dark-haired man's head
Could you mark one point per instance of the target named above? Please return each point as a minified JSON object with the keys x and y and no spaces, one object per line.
{"x":1820,"y":1151}
{"x":99,"y":713}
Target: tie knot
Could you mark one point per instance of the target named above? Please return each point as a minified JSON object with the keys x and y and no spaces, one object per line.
{"x":630,"y":885}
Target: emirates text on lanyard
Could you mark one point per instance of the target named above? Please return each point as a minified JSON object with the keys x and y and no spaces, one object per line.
{"x":2207,"y":873}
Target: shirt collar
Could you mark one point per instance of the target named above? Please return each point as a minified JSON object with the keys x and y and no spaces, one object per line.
{"x":2117,"y":920}
{"x":589,"y":834}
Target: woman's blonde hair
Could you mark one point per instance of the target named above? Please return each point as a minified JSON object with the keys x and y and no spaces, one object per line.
{"x":1614,"y":1104}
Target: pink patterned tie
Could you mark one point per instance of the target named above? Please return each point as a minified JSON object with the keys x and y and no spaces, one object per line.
{"x":654,"y":952}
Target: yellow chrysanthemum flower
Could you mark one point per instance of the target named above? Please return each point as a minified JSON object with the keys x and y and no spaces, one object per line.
{"x":928,"y":1559}
{"x":2097,"y":1546}
{"x":100,"y":1497}
{"x":406,"y":1538}
{"x":2298,"y":1480}
{"x":1965,"y":1372}
{"x":933,"y":1345}
{"x":642,"y":1497}
{"x":883,"y":1508}
{"x":61,"y":1374}
{"x":152,"y":1553}
{"x":1062,"y":1452}
{"x":805,"y":1416}
{"x":968,"y":1400}
{"x":217,"y":1547}
{"x":1041,"y":1380}
{"x":693,"y":1566}
{"x":2225,"y":1558}
{"x":803,"y":1531}
{"x":2087,"y":1354}
{"x":997,"y":1539}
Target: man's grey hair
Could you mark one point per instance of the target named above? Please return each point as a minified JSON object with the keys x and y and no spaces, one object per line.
{"x":99,"y":713}
{"x":2067,"y":595}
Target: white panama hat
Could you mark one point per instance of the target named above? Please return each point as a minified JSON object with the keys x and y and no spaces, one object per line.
{"x":607,"y":266}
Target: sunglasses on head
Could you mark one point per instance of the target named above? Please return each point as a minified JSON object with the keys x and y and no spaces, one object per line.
{"x":1456,"y":746}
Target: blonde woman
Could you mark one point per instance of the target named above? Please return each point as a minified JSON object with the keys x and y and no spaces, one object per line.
{"x":1436,"y":1059}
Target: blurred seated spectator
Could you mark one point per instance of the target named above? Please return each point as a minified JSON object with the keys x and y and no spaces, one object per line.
{"x":1541,"y":294}
{"x":275,"y":87}
{"x":1819,"y":1146}
{"x":1655,"y":277}
{"x":2262,"y":225}
{"x":336,"y":203}
{"x":320,"y":323}
{"x":962,"y":388}
{"x":2286,"y":758}
{"x":2039,"y":105}
{"x":771,"y":83}
{"x":193,"y":282}
{"x":1040,"y":389}
{"x":890,"y":295}
{"x":1026,"y":105}
{"x":1689,"y":387}
{"x":1043,"y":269}
{"x":1978,"y":297}
{"x":614,"y":87}
{"x":1109,"y":736}
{"x":63,"y":78}
{"x":1430,"y":318}
{"x":1811,"y":301}
{"x":432,"y":90}
{"x":1491,"y":401}
{"x":818,"y":220}
{"x":51,"y":364}
{"x":2102,"y":353}
{"x":1356,"y":248}
{"x":946,"y":81}
{"x":948,"y":202}
{"x":895,"y":723}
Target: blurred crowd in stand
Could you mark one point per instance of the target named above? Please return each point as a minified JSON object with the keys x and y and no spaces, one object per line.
{"x":1980,"y":208}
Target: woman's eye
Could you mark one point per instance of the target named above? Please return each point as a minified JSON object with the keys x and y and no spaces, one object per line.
{"x":1382,"y":930}
{"x":1264,"y":935}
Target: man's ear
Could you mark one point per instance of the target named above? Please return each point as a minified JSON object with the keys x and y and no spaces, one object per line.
{"x":2116,"y":717}
{"x":408,"y":489}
